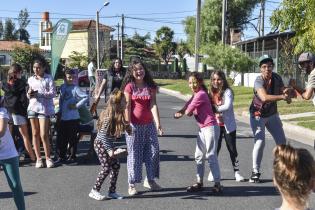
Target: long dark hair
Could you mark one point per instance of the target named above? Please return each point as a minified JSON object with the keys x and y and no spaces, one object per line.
{"x":222,"y":89}
{"x":129,"y":74}
{"x":43,"y":63}
{"x":112,"y":65}
{"x":199,"y":78}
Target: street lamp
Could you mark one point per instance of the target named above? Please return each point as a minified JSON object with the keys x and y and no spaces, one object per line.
{"x":106,"y":3}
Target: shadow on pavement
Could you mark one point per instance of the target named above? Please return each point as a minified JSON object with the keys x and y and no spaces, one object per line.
{"x":9,"y":194}
{"x":235,"y":191}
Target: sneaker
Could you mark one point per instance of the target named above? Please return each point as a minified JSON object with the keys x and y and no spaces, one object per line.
{"x":50,"y":163}
{"x":217,"y":188}
{"x":151,"y":185}
{"x":195,"y":187}
{"x":210,"y":177}
{"x":255,"y":177}
{"x":115,"y":195}
{"x":132,"y":190}
{"x":238,"y":177}
{"x":96,"y":195}
{"x":39,"y":163}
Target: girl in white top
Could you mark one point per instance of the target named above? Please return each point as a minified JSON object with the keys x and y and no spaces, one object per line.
{"x":222,"y":100}
{"x":41,"y":93}
{"x":9,"y":160}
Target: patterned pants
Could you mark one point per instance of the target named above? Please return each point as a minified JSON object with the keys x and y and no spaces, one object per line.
{"x":143,"y":146}
{"x":108,"y":165}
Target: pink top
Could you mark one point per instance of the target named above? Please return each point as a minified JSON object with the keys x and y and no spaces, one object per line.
{"x":200,"y":106}
{"x":140,"y":103}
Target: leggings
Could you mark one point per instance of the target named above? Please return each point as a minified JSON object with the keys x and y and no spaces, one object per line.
{"x":108,"y":166}
{"x":230,"y":141}
{"x":11,"y":170}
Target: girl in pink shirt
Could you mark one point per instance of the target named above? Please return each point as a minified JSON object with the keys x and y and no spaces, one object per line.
{"x":200,"y":106}
{"x":143,"y":115}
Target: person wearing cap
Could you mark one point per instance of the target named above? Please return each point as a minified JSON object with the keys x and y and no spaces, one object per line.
{"x":306,"y":63}
{"x":268,"y":89}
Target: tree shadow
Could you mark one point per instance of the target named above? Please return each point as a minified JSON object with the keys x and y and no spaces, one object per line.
{"x":178,"y":136}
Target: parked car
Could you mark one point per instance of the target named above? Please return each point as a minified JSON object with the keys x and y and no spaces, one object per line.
{"x":83,"y":78}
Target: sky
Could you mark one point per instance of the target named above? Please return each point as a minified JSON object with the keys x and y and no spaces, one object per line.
{"x":142,"y":16}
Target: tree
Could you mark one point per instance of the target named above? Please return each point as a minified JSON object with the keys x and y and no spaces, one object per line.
{"x":1,"y":29}
{"x":239,"y":12}
{"x":23,"y":20}
{"x":138,"y":46}
{"x":78,"y":60}
{"x":225,"y":57}
{"x":25,"y":56}
{"x":9,"y":30}
{"x":297,"y":16}
{"x":164,"y":45}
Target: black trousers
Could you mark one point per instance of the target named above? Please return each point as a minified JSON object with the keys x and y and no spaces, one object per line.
{"x":67,"y":135}
{"x":230,"y":141}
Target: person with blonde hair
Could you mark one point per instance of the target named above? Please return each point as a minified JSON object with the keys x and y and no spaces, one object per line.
{"x":111,"y":125}
{"x":294,"y":176}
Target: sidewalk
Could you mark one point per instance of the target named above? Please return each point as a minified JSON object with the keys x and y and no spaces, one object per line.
{"x":292,"y":131}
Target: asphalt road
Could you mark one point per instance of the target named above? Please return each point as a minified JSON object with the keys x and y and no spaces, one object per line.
{"x":67,"y":187}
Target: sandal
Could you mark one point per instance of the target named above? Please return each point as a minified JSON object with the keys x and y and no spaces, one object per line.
{"x":195,"y":187}
{"x":217,"y":188}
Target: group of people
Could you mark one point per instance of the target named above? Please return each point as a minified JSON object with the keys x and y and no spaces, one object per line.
{"x":131,"y":110}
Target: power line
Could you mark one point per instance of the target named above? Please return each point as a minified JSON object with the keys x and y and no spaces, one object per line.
{"x":162,"y":13}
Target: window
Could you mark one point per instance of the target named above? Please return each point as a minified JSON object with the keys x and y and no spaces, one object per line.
{"x":2,"y":59}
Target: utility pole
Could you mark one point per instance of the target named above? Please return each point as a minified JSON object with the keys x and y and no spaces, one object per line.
{"x":97,"y":41}
{"x":263,"y":17}
{"x":223,"y":21}
{"x":118,"y":54}
{"x":197,"y":35}
{"x":122,"y":38}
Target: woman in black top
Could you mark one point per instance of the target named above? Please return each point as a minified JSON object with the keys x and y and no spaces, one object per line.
{"x":16,"y":102}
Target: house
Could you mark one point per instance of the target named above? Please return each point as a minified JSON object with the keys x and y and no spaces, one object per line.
{"x":270,"y":44}
{"x":82,"y":39}
{"x":6,"y":48}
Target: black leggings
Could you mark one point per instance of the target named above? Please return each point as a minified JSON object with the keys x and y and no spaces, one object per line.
{"x":230,"y":140}
{"x":108,"y":166}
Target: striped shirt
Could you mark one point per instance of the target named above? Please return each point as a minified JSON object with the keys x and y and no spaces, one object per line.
{"x":104,"y":138}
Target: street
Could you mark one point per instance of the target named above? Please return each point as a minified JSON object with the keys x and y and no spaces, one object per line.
{"x":67,"y":187}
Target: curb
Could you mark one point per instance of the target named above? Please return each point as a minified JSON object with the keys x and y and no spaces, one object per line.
{"x":298,"y":133}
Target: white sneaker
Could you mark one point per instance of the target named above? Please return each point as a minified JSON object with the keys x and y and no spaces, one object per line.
{"x":115,"y":195}
{"x":152,"y":185}
{"x":50,"y":163}
{"x":239,"y":177}
{"x":39,"y":163}
{"x":96,"y":195}
{"x":132,"y":190}
{"x":210,"y":177}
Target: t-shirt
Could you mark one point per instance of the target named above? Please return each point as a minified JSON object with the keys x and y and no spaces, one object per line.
{"x":91,"y":69}
{"x":140,"y":103}
{"x":311,"y":80}
{"x":272,"y":88}
{"x":201,"y":107}
{"x":7,"y":147}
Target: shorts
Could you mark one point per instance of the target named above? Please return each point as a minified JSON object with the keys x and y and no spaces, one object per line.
{"x":33,"y":115}
{"x":18,"y":119}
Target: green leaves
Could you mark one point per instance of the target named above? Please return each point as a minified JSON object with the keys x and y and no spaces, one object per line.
{"x":225,"y":57}
{"x":297,"y":16}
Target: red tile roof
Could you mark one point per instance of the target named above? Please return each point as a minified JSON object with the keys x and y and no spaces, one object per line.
{"x":85,"y":25}
{"x":10,"y":45}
